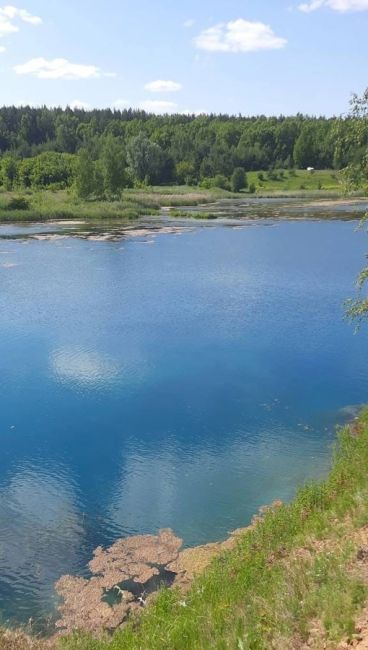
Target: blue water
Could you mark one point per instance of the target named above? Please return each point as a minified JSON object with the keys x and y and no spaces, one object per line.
{"x":180,"y":384}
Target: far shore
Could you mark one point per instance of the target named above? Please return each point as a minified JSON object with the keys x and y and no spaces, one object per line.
{"x":64,"y":207}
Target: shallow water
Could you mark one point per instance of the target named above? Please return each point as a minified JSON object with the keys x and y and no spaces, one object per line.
{"x":183,"y":383}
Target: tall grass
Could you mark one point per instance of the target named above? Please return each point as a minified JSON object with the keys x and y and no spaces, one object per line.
{"x":63,"y":204}
{"x":55,"y":205}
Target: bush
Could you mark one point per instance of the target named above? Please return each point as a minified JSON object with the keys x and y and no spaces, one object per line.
{"x":272,"y":175}
{"x":18,"y":203}
{"x":252,"y":188}
{"x":221,"y":182}
{"x":238,"y":179}
{"x":206,"y":183}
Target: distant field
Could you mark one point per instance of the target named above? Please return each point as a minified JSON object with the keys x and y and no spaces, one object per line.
{"x":299,"y":180}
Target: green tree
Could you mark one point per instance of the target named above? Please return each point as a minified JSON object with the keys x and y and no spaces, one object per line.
{"x":49,"y":169}
{"x":113,"y":166}
{"x":357,"y":176}
{"x":145,"y":158}
{"x":66,"y":132}
{"x":305,"y":150}
{"x":25,"y":170}
{"x":186,"y":148}
{"x":9,"y":171}
{"x":185,"y":173}
{"x":99,"y":180}
{"x":238,"y":179}
{"x":85,"y":175}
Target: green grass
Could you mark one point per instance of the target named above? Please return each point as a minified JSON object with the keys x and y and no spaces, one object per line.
{"x":264,"y":594}
{"x":51,"y":205}
{"x":317,"y":181}
{"x":186,"y":214}
{"x":62,"y":204}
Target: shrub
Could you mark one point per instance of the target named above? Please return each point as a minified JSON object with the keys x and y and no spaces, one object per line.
{"x":238,"y":179}
{"x":272,"y":175}
{"x":18,"y":203}
{"x":221,"y":182}
{"x":206,"y":183}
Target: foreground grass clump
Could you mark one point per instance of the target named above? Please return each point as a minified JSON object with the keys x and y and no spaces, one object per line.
{"x":292,"y":578}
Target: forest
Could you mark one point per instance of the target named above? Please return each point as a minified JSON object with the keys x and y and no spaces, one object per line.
{"x":101,"y":152}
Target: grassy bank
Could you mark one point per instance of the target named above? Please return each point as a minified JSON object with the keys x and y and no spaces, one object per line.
{"x":297,"y":579}
{"x":63,"y":204}
{"x":293,"y":578}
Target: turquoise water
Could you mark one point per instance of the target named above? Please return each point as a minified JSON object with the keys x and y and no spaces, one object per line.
{"x":175,"y":380}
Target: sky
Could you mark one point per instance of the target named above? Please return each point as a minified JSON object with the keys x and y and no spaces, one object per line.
{"x":251,"y":57}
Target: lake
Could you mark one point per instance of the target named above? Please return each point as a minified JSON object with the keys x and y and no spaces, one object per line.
{"x":181,"y":376}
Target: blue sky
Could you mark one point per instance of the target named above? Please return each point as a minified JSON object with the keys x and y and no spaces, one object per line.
{"x":236,"y":56}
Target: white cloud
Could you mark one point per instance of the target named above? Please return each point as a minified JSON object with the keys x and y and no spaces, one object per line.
{"x":161,"y":86}
{"x":2,"y":48}
{"x":311,"y":6}
{"x":197,"y":112}
{"x":189,"y":23}
{"x":6,"y":27}
{"x":58,"y":69}
{"x":342,"y":6}
{"x":239,"y":36}
{"x":9,"y":14}
{"x":77,"y":103}
{"x":121,"y":103}
{"x":158,"y":106}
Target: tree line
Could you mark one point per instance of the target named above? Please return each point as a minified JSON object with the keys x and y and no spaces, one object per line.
{"x":100,"y":152}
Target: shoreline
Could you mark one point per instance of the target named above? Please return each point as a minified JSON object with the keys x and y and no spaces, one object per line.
{"x":237,"y":213}
{"x":64,"y":207}
{"x":326,"y":519}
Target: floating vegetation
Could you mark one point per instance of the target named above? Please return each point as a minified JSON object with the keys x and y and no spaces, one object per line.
{"x":121,"y":577}
{"x":125,"y":575}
